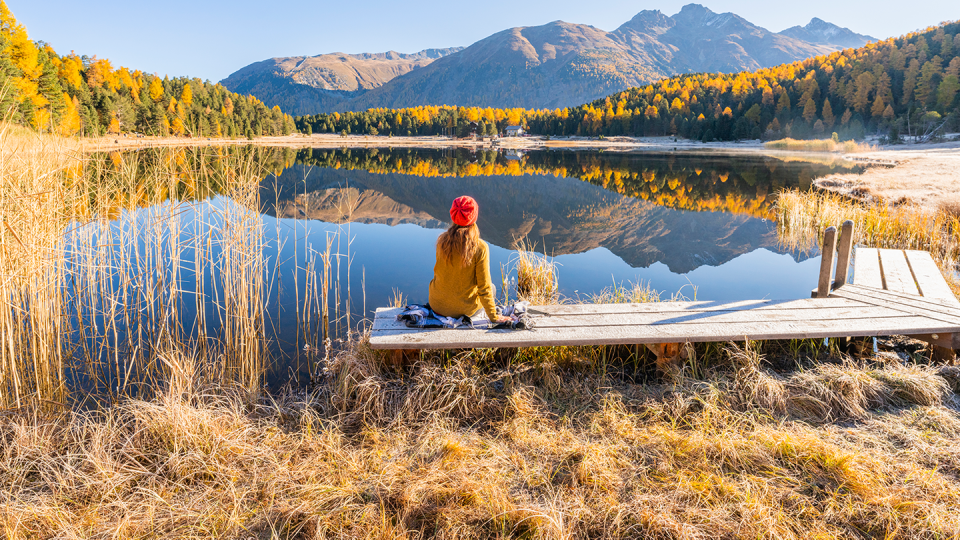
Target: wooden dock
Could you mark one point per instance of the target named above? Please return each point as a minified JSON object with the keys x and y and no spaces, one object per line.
{"x":892,"y":292}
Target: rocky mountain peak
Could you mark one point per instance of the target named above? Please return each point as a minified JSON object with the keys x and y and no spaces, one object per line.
{"x":822,"y":32}
{"x":695,"y":16}
{"x":648,"y":21}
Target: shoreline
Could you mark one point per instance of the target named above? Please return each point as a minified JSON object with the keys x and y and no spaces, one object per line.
{"x":329,"y":140}
{"x":622,"y":144}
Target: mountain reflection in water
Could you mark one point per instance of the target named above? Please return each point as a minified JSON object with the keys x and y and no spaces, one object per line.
{"x":684,"y":211}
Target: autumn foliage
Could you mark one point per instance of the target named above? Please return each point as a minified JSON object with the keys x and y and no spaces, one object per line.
{"x":80,"y":95}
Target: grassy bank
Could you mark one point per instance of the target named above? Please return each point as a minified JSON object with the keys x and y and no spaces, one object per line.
{"x":549,"y":443}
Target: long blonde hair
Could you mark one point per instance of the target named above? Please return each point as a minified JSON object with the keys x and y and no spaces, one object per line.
{"x":459,"y":243}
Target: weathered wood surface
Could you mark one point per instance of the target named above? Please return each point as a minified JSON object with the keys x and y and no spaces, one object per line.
{"x":678,"y":322}
{"x":909,"y":271}
{"x":639,"y":334}
{"x":826,"y":262}
{"x":866,"y":268}
{"x":665,"y":307}
{"x":897,"y":300}
{"x":896,"y":272}
{"x":929,"y":278}
{"x":785,"y":315}
{"x":844,"y":251}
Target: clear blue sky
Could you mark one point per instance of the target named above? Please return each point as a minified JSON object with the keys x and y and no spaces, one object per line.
{"x":211,"y":39}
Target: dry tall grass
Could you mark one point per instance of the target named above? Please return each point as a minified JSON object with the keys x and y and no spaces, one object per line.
{"x":639,"y":293}
{"x":536,"y":276}
{"x":819,"y":145}
{"x":32,"y":279}
{"x":538,"y":443}
{"x":110,"y":264}
{"x":803,"y":216}
{"x":482,"y":445}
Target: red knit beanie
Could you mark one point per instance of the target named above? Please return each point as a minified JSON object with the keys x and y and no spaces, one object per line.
{"x":464,"y":211}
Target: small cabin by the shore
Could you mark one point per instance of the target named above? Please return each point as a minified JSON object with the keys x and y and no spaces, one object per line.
{"x":513,"y":131}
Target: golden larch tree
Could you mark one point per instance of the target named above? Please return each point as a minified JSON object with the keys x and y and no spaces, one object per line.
{"x":156,"y":89}
{"x":70,"y":69}
{"x":70,"y":122}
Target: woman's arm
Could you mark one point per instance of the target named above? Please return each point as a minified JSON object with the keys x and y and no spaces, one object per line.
{"x":485,"y":284}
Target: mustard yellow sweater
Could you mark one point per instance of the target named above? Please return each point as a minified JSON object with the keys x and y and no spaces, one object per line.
{"x":462,"y":290}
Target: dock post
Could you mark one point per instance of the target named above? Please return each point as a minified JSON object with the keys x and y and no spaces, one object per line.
{"x":399,"y":358}
{"x":826,"y":262}
{"x":668,"y":355}
{"x":844,"y":250}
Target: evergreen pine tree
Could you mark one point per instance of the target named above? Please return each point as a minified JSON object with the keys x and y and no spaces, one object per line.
{"x":49,"y":87}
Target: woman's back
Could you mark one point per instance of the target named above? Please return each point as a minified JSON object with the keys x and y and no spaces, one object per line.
{"x":463,"y":289}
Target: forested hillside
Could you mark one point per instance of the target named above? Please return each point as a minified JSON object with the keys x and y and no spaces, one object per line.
{"x":83,"y":95}
{"x":897,"y":87}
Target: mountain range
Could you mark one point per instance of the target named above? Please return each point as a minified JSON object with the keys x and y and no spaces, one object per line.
{"x":307,"y":84}
{"x":558,"y":64}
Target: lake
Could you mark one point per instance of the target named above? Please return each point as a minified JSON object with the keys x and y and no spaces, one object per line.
{"x":176,"y":248}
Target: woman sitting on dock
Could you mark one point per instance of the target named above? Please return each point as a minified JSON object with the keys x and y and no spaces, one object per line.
{"x":461,"y":282}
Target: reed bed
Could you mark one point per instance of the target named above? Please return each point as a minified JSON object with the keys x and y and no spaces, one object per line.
{"x":803,"y":216}
{"x":32,"y":279}
{"x":157,"y":271}
{"x":114,"y":263}
{"x":819,"y":145}
{"x":638,"y":293}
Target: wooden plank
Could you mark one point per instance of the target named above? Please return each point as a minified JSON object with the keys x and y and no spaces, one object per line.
{"x":694,"y":317}
{"x":679,"y":307}
{"x":896,"y":272}
{"x":866,"y":268}
{"x":668,"y":307}
{"x":902,"y":301}
{"x":928,"y":276}
{"x":898,"y":300}
{"x":670,"y":333}
{"x":884,"y":299}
